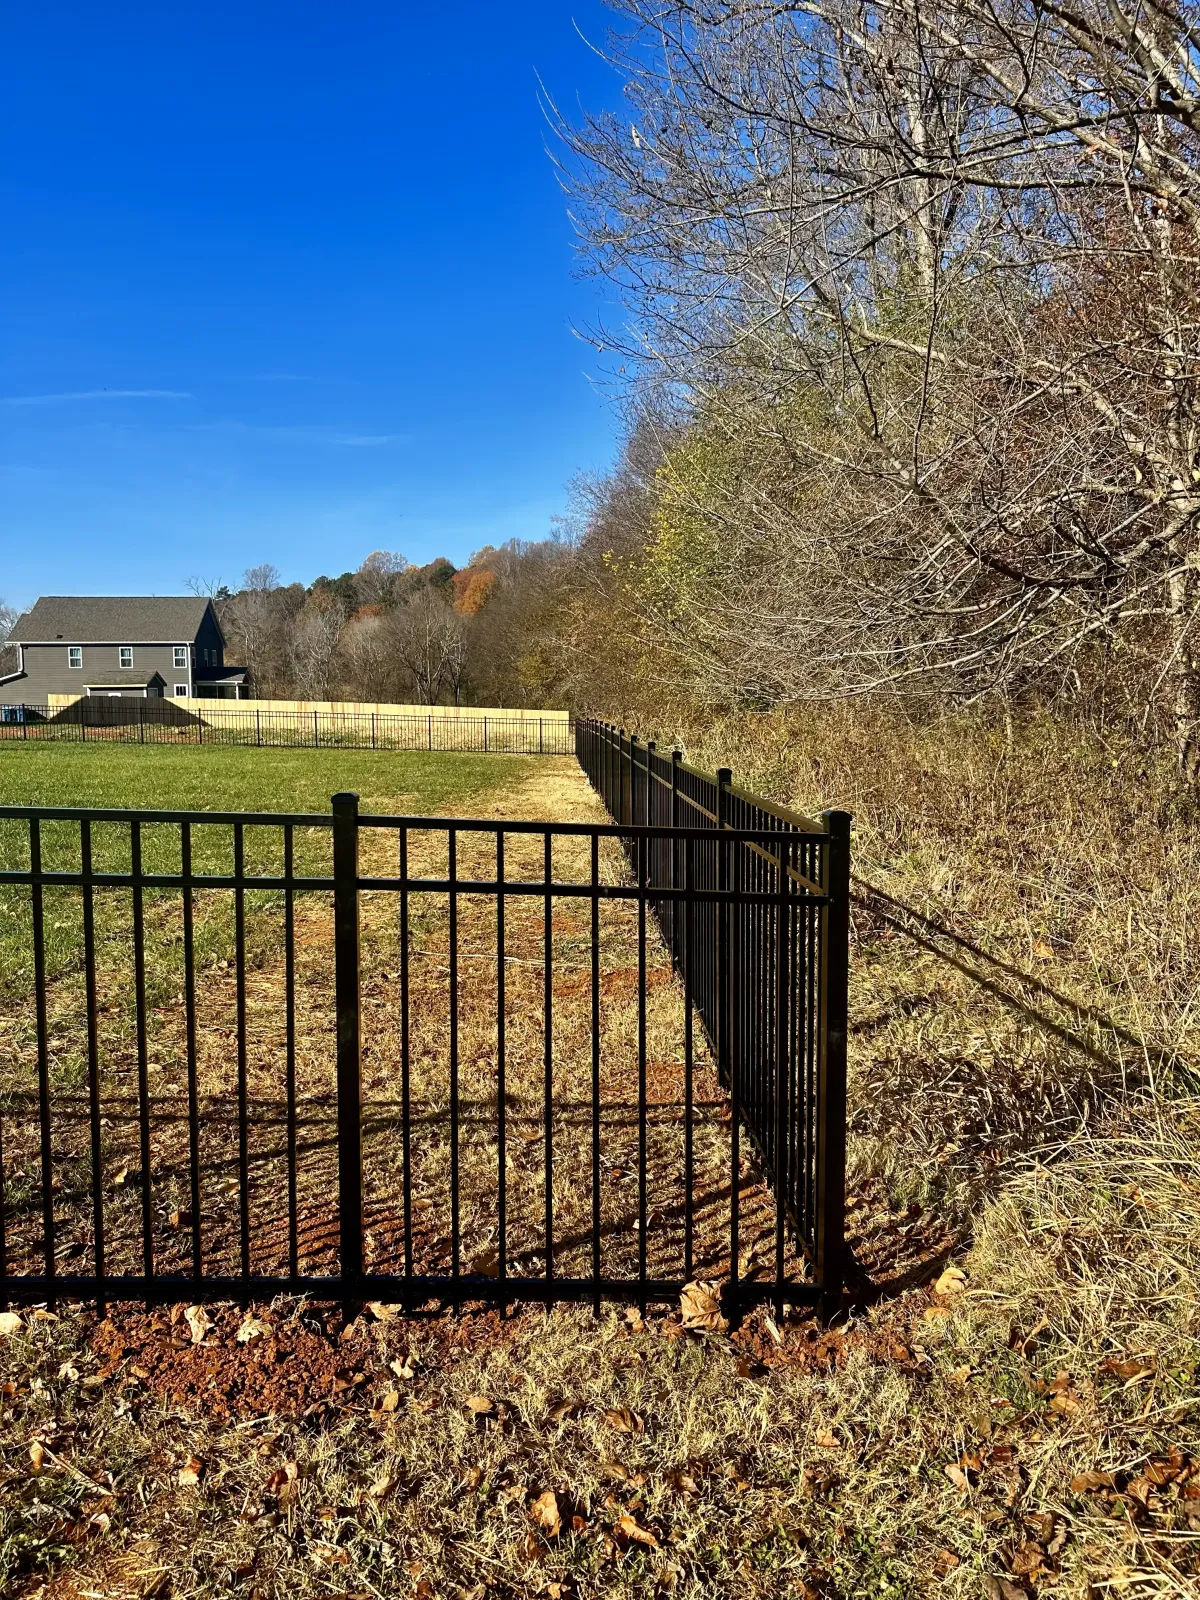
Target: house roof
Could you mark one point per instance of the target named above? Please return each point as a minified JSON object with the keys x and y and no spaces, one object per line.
{"x":111,"y":619}
{"x":220,"y":674}
{"x":126,"y":680}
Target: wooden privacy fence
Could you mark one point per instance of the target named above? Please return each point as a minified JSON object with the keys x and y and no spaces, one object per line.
{"x":129,"y":720}
{"x":413,"y":1059}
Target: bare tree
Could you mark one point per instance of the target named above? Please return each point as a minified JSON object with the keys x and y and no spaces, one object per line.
{"x":375,"y":579}
{"x":8,"y":654}
{"x":257,"y":623}
{"x":203,"y":588}
{"x":370,"y":667}
{"x":314,"y":640}
{"x":925,"y":277}
{"x":427,"y":637}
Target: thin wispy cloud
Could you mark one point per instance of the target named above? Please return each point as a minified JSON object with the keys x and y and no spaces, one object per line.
{"x":95,"y":394}
{"x":302,"y":433}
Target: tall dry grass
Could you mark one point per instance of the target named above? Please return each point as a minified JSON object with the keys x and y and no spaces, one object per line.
{"x":1026,"y":901}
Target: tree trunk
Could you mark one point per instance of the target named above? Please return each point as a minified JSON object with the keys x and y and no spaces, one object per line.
{"x":1185,"y":677}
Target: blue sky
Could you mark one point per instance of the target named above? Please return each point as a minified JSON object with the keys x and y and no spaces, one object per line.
{"x":286,"y":282}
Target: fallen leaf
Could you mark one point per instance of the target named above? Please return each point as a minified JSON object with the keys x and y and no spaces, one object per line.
{"x":564,"y":1410}
{"x":252,"y":1328}
{"x":1066,"y":1403}
{"x":390,"y":1400}
{"x":1130,"y":1370}
{"x":828,"y":1440}
{"x":683,"y":1482}
{"x":383,"y":1312}
{"x":199,"y":1321}
{"x":282,"y":1477}
{"x":1002,"y":1589}
{"x":480,"y":1404}
{"x":10,"y":1322}
{"x":403,"y":1369}
{"x":545,"y":1513}
{"x":957,"y":1476}
{"x":190,"y":1472}
{"x":952,"y":1281}
{"x":632,"y":1529}
{"x":1089,"y":1482}
{"x":700,"y":1304}
{"x":382,"y":1487}
{"x":1027,"y":1559}
{"x":624,"y":1420}
{"x":1043,"y":950}
{"x":37,"y":1456}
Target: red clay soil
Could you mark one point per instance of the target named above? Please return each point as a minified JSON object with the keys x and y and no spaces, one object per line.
{"x":296,"y":1370}
{"x":307,"y":1363}
{"x":305,"y":1366}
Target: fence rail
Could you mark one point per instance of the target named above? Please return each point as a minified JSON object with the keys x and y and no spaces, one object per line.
{"x":764,"y":962}
{"x":413,"y":1058}
{"x":127,"y":720}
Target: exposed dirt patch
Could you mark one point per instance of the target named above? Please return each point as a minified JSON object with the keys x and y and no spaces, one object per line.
{"x":298,"y":1367}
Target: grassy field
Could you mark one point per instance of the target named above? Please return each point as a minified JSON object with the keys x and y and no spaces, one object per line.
{"x":1025,"y":990}
{"x":246,"y":780}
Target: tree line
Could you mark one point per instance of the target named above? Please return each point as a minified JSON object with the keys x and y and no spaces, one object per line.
{"x":910,"y":335}
{"x":909,"y":351}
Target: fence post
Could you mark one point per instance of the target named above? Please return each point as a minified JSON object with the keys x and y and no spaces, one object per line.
{"x":831,"y":1076}
{"x":676,"y":759}
{"x":257,"y":725}
{"x":429,"y":730}
{"x":723,"y":980}
{"x":541,"y":740}
{"x":349,"y":1054}
{"x":373,"y":715}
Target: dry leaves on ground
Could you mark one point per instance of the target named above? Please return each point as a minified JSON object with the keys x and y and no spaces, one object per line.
{"x":545,"y":1514}
{"x":700,"y":1304}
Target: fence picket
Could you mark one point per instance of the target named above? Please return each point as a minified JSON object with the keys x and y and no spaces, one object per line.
{"x":751,"y":904}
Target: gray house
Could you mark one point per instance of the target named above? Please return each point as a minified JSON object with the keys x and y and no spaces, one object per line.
{"x":147,"y":646}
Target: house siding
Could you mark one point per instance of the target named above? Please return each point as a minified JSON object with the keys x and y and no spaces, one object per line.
{"x":47,"y":672}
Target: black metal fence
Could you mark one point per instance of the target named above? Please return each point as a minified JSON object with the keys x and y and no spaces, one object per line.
{"x":760,"y":939}
{"x":416,"y":1059}
{"x":131,"y":720}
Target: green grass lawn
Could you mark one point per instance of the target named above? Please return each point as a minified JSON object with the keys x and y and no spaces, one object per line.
{"x":239,"y":779}
{"x":229,"y":779}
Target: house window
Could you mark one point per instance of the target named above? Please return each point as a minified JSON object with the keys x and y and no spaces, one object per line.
{"x":125,"y":655}
{"x":181,"y":692}
{"x":181,"y":657}
{"x":75,"y":655}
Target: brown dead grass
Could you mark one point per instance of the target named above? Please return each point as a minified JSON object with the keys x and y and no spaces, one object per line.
{"x":1027,"y":1109}
{"x":562,"y":1136}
